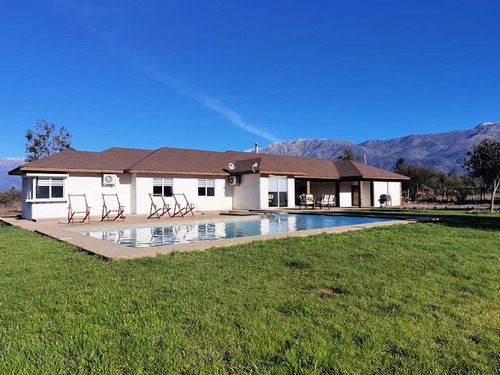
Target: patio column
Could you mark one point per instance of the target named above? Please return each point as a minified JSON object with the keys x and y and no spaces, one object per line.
{"x":372,"y":195}
{"x":337,"y":191}
{"x":360,"y":204}
{"x":308,"y":187}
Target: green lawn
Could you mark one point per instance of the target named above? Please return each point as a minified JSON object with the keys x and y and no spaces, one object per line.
{"x":416,"y":298}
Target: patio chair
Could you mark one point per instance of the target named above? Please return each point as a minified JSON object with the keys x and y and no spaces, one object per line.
{"x":182,"y":210}
{"x":111,"y":204}
{"x":310,"y":200}
{"x":325,"y":199}
{"x":77,"y":205}
{"x":158,"y":206}
{"x":331,"y":201}
{"x":302,"y":201}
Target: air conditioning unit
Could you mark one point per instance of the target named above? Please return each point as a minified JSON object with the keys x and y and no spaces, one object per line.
{"x":233,"y":180}
{"x":109,"y":179}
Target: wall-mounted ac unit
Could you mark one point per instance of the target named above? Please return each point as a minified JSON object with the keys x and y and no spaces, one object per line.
{"x":234,"y":180}
{"x":109,"y":179}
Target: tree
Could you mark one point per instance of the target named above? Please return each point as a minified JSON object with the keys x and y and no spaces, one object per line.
{"x":45,"y":141}
{"x":400,"y":166}
{"x":347,"y":154}
{"x":483,"y":161}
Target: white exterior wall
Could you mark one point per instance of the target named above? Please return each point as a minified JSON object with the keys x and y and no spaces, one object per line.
{"x":264,"y":192}
{"x":386,"y":187}
{"x":248,"y":194}
{"x":395,"y":192}
{"x":88,"y":184}
{"x":223,"y":199}
{"x":291,"y":192}
{"x":345,"y":194}
{"x":366,"y":194}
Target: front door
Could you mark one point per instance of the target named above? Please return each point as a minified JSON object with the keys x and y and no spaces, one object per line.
{"x":355,"y":195}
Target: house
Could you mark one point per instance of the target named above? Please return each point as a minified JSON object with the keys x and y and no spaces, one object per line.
{"x":211,"y":180}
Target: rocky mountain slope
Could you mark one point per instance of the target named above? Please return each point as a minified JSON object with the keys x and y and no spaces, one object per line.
{"x":443,"y":151}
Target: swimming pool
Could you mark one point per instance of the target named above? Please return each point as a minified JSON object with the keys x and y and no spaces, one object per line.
{"x":180,"y":233}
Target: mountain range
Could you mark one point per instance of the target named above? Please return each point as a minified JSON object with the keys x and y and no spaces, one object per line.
{"x":6,"y":181}
{"x":442,"y":151}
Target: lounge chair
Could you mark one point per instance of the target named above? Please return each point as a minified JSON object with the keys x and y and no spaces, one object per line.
{"x":111,"y":204}
{"x":182,"y":210}
{"x":331,"y":201}
{"x":77,"y":205}
{"x":158,"y":206}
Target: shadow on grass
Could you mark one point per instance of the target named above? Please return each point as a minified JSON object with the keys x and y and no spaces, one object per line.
{"x":476,"y":222}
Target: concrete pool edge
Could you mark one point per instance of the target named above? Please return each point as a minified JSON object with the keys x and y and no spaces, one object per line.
{"x":112,"y":251}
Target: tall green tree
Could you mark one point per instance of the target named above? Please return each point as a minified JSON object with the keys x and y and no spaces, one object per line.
{"x":347,"y":154}
{"x":401,"y":166}
{"x":46,"y":140}
{"x":483,"y":161}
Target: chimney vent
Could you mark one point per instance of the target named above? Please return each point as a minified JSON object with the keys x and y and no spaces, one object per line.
{"x":256,"y":148}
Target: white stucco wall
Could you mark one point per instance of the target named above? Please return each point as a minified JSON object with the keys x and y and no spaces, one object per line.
{"x":88,"y":184}
{"x":291,"y":192}
{"x":222,"y":200}
{"x":395,"y":192}
{"x":386,"y":187}
{"x":366,"y":194}
{"x":345,"y":194}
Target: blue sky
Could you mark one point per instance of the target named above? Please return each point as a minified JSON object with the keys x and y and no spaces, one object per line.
{"x":223,"y":74}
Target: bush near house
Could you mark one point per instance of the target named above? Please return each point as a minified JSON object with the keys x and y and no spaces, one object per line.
{"x":10,"y":200}
{"x":415,"y":298}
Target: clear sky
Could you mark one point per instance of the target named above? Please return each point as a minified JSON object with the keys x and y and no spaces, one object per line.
{"x":224,"y":74}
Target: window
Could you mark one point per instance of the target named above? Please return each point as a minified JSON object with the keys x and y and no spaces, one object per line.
{"x":49,"y":188}
{"x":163,"y":186}
{"x":206,"y":188}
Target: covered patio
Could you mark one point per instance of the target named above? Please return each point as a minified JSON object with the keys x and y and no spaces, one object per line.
{"x":348,"y":193}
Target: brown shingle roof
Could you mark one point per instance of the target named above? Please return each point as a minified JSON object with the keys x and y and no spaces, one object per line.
{"x":168,"y":160}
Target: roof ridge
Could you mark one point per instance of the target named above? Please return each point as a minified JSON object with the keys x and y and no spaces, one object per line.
{"x":144,"y":158}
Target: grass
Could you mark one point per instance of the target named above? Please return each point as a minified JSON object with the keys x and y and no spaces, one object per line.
{"x":416,"y":298}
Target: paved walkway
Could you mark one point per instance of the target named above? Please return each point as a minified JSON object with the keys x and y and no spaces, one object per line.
{"x":60,"y":230}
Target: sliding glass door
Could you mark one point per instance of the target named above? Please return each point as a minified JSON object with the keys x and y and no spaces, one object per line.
{"x":278,"y":192}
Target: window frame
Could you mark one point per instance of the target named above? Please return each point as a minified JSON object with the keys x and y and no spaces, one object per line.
{"x":33,"y":192}
{"x":166,"y":182}
{"x":208,"y":191}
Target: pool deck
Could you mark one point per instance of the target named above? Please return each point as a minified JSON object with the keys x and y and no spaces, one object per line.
{"x":60,"y":230}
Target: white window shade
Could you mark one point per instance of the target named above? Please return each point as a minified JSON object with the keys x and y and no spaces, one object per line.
{"x":43,"y":181}
{"x":282,"y":185}
{"x":57,"y":182}
{"x":273,"y":184}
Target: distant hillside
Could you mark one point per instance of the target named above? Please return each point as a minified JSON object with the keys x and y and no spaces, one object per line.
{"x":6,"y":181}
{"x":443,"y":151}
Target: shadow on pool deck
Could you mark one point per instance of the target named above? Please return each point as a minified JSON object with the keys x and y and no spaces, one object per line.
{"x":60,"y":230}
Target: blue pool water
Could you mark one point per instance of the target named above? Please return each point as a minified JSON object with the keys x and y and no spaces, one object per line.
{"x":178,"y":233}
